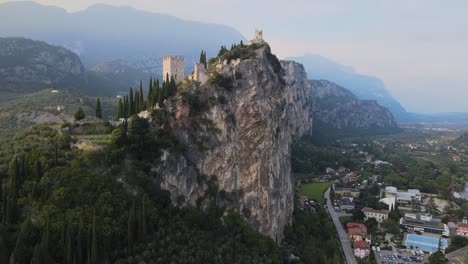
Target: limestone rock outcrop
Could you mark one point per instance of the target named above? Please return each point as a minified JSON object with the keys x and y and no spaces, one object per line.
{"x":247,"y":131}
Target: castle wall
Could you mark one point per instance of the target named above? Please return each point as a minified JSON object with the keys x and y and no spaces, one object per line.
{"x":200,"y":74}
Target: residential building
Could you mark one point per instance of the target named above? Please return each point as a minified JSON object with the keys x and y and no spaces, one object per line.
{"x":415,"y":195}
{"x":361,"y":249}
{"x":379,"y":215}
{"x":346,"y":204}
{"x":341,"y":169}
{"x":353,"y":192}
{"x":329,"y":170}
{"x":390,"y":191}
{"x":350,"y":177}
{"x":357,"y":231}
{"x":462,"y":228}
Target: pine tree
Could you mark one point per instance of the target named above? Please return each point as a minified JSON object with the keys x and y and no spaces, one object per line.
{"x":98,"y":108}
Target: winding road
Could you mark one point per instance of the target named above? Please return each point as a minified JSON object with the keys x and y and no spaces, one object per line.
{"x":345,"y":244}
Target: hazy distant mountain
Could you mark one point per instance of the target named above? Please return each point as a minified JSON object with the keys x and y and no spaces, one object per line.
{"x":364,"y":87}
{"x":28,"y":66}
{"x":106,"y":33}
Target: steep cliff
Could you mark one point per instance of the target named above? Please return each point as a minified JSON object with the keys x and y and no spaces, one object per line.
{"x":338,"y":111}
{"x":27,"y":66}
{"x":238,"y":128}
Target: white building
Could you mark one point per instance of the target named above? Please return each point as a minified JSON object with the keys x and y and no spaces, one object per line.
{"x":379,"y":215}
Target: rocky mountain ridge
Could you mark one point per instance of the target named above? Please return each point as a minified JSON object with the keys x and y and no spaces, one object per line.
{"x":27,"y":66}
{"x":338,"y":111}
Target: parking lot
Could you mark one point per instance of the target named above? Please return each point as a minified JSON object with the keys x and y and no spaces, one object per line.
{"x":401,"y":257}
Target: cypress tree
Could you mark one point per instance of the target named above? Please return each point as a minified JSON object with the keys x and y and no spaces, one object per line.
{"x":142,"y":98}
{"x":69,"y":246}
{"x":131,"y":103}
{"x":98,"y":108}
{"x":79,"y":243}
{"x":137,"y":102}
{"x":142,"y":225}
{"x":13,"y":175}
{"x":56,"y":153}
{"x":37,"y":256}
{"x":119,"y":109}
{"x":157,"y":92}
{"x":22,"y":251}
{"x":201,"y":58}
{"x":38,"y":168}
{"x":94,"y":249}
{"x":131,"y":228}
{"x":126,"y":107}
{"x":45,"y":236}
{"x":165,"y":86}
{"x":150,"y":98}
{"x":172,"y":87}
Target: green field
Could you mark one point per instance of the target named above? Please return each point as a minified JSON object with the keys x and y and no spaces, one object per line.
{"x":315,"y":190}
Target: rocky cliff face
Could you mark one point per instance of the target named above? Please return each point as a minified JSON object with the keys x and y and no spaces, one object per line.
{"x":338,"y":110}
{"x":242,"y":140}
{"x":27,"y":65}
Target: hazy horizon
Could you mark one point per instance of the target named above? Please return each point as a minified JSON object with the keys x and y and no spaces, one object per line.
{"x":418,"y":48}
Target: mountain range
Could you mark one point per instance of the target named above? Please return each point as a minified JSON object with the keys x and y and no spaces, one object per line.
{"x":104,"y":33}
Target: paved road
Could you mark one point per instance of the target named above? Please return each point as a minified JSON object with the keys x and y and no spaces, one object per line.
{"x":347,"y":250}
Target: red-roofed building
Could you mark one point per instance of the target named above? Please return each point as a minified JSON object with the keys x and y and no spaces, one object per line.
{"x":361,"y":249}
{"x":462,"y":228}
{"x":357,"y":232}
{"x":350,"y":177}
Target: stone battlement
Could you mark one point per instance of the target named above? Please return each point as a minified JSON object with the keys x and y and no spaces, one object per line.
{"x":173,"y":58}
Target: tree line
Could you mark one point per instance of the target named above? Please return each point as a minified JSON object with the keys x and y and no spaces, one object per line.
{"x":135,"y":102}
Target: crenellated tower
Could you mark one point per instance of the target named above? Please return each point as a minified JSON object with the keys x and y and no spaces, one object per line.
{"x":173,"y":66}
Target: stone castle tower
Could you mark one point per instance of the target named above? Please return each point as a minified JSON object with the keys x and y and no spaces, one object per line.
{"x":173,"y":66}
{"x":258,"y":38}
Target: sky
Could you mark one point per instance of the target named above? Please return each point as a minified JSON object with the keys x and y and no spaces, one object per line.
{"x":419,"y":48}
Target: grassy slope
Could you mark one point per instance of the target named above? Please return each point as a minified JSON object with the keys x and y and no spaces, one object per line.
{"x":41,"y":106}
{"x":315,"y":190}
